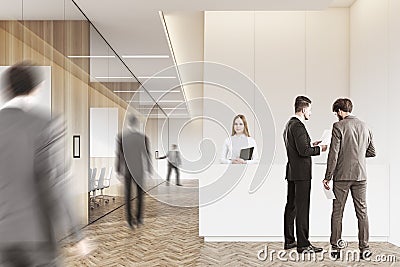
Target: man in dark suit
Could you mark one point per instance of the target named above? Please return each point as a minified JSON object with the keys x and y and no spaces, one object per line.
{"x":298,"y":176}
{"x":133,"y":157}
{"x":174,"y":162}
{"x":351,"y":144}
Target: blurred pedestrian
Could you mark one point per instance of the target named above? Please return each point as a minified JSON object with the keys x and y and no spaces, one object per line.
{"x":174,"y":162}
{"x":33,"y":178}
{"x":132,"y":159}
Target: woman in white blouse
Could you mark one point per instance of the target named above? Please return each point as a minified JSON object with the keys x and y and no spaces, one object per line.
{"x":240,"y":139}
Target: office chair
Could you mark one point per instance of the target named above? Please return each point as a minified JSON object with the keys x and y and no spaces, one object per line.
{"x":107,"y":183}
{"x":100,"y":184}
{"x":92,"y":187}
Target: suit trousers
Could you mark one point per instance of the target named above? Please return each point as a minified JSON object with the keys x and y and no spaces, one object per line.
{"x":297,"y":210}
{"x":170,"y":167}
{"x":358,"y":191}
{"x":128,"y":199}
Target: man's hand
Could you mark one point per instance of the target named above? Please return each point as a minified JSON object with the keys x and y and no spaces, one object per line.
{"x":326,"y":184}
{"x":323,"y":147}
{"x":316,"y":143}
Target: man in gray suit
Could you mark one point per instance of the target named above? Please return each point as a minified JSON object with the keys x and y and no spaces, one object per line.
{"x":132,"y":159}
{"x":32,"y":176}
{"x":351,"y":143}
{"x":174,"y":162}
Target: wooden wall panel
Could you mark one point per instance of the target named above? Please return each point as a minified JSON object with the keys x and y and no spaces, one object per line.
{"x":49,"y":43}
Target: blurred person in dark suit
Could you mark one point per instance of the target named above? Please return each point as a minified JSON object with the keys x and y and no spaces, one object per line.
{"x":174,"y":162}
{"x":33,"y":178}
{"x":132,"y":159}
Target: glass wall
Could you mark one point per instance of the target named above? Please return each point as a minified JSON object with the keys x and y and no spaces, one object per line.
{"x":88,"y":85}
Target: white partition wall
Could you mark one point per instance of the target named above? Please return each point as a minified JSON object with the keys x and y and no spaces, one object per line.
{"x":234,"y":33}
{"x":369,"y":68}
{"x":394,"y":128}
{"x":321,"y":54}
{"x":375,"y":83}
{"x":280,"y":66}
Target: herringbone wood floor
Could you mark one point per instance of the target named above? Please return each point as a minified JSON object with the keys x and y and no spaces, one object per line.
{"x":169,"y":237}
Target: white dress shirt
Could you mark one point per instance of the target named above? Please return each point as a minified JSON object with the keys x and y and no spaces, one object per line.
{"x":233,"y":145}
{"x":23,"y":102}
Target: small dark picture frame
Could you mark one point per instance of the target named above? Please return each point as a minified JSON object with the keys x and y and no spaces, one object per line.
{"x":76,"y":146}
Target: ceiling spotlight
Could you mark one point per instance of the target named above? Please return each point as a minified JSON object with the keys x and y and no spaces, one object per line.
{"x":91,"y":56}
{"x":145,"y":56}
{"x":114,"y":77}
{"x":156,"y":77}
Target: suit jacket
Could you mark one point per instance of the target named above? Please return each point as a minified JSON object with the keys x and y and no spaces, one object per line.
{"x":174,"y":158}
{"x":299,"y":151}
{"x":32,"y":176}
{"x":351,"y":143}
{"x":133,"y":155}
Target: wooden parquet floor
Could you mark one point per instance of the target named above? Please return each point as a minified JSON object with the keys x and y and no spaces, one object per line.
{"x":169,"y":237}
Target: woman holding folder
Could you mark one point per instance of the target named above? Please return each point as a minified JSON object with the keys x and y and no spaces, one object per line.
{"x":240,"y":139}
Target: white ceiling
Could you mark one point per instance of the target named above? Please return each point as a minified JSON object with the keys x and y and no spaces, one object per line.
{"x":134,"y":27}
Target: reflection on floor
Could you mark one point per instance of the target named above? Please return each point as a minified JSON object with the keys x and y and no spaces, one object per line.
{"x":170,"y":237}
{"x":101,"y":207}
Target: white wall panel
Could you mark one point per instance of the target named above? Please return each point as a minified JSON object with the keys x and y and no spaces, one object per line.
{"x":369,"y":68}
{"x":229,"y":40}
{"x":279,"y":69}
{"x":327,"y":67}
{"x":393,"y":126}
{"x":103,"y":132}
{"x":306,"y":53}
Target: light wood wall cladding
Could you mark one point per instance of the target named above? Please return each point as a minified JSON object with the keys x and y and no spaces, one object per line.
{"x":48,"y":43}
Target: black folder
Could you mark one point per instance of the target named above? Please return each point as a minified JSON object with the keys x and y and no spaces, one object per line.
{"x":246,"y":153}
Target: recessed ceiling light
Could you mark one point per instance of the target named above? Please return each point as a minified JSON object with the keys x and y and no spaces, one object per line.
{"x":114,"y":77}
{"x":119,"y":91}
{"x":91,"y":56}
{"x":139,"y":77}
{"x":165,"y":101}
{"x":156,"y":77}
{"x":145,"y":56}
{"x":160,"y":91}
{"x":162,"y":108}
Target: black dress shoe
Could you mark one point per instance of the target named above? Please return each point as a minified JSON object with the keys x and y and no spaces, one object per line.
{"x":290,"y":245}
{"x":366,"y":254}
{"x":178,"y":185}
{"x":131,"y":224}
{"x":335,"y":254}
{"x":308,"y":249}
